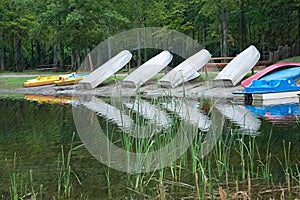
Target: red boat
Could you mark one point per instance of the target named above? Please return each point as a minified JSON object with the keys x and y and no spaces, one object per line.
{"x":269,"y":70}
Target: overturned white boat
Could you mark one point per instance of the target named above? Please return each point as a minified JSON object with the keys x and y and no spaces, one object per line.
{"x":188,"y":111}
{"x":106,"y":70}
{"x":241,"y":116}
{"x":237,"y":68}
{"x":187,"y":70}
{"x":147,"y":70}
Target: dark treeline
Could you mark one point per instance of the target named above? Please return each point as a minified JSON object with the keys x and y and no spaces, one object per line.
{"x":62,"y":32}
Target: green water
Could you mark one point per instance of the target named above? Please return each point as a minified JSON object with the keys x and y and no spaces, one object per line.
{"x":33,"y":135}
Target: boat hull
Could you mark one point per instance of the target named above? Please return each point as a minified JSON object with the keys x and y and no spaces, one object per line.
{"x":269,"y":70}
{"x":44,"y":80}
{"x":237,"y":68}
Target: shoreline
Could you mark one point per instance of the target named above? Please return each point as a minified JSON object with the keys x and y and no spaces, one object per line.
{"x":197,"y":90}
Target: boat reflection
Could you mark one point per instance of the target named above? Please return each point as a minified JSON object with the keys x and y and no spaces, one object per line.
{"x":41,"y":99}
{"x":241,"y":116}
{"x":277,"y":113}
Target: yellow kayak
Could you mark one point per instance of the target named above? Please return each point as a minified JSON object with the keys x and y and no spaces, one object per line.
{"x":68,"y":81}
{"x":75,"y":78}
{"x":44,"y":80}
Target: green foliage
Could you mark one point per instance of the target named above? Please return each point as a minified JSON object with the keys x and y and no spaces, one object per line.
{"x":36,"y":32}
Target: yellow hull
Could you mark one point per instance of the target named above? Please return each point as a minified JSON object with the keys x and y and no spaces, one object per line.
{"x":68,"y":81}
{"x":44,"y":80}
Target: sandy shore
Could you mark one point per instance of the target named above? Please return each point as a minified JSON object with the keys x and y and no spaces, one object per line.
{"x":194,"y":90}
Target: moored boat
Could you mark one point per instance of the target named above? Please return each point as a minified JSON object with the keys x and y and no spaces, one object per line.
{"x":43,"y":80}
{"x":73,"y":79}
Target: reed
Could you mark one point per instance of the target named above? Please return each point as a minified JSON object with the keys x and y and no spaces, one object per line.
{"x":64,"y":182}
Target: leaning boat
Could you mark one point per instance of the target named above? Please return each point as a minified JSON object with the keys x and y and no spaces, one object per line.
{"x":147,"y":70}
{"x":237,"y":68}
{"x":269,"y":70}
{"x":185,"y":71}
{"x":44,"y":80}
{"x":106,"y":70}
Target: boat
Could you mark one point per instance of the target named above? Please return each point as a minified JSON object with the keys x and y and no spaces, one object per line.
{"x":185,"y":71}
{"x":290,"y":73}
{"x":106,"y":70}
{"x":147,"y":70}
{"x":269,"y":70}
{"x":73,"y":79}
{"x":277,"y":85}
{"x":44,"y":80}
{"x":273,"y":89}
{"x":238,"y":67}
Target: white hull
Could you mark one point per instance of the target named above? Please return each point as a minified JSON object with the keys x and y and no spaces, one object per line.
{"x":146,"y":71}
{"x":237,"y":68}
{"x":185,"y":71}
{"x":105,"y":71}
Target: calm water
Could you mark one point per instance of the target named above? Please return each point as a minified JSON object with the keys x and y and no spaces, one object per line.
{"x":33,"y":134}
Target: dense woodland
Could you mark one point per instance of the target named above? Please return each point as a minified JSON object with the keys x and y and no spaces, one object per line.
{"x":62,"y":32}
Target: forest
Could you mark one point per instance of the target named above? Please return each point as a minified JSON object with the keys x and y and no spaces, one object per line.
{"x":61,"y":33}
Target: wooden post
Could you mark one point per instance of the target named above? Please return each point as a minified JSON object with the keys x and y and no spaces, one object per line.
{"x":129,"y":67}
{"x":90,"y":62}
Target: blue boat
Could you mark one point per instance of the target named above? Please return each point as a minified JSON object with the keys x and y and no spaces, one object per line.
{"x":290,"y":73}
{"x":280,"y":84}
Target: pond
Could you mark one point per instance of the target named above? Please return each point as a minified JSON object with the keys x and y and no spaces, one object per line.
{"x":49,"y":149}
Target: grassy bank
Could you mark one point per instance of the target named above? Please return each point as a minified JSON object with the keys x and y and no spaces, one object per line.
{"x":13,"y":82}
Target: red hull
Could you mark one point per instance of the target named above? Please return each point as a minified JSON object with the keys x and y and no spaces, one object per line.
{"x":268,"y":70}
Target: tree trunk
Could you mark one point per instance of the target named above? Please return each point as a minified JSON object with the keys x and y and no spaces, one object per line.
{"x":243,"y":33}
{"x":138,"y":25}
{"x":54,"y":54}
{"x":203,"y":33}
{"x":39,"y":52}
{"x":220,"y":20}
{"x":1,"y":53}
{"x":19,"y":64}
{"x":62,"y":56}
{"x":225,"y":32}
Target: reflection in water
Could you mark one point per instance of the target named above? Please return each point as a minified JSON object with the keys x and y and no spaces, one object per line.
{"x":282,"y":113}
{"x":36,"y":132}
{"x":51,"y":99}
{"x":188,"y":110}
{"x":238,"y":114}
{"x":149,"y":111}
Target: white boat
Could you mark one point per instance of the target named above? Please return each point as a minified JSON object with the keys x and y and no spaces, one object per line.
{"x":106,"y":70}
{"x":185,"y":71}
{"x":241,"y":116}
{"x":189,"y":111}
{"x":238,"y":67}
{"x":147,"y":70}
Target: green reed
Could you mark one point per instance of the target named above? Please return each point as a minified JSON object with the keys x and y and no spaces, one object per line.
{"x":64,"y":182}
